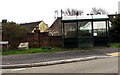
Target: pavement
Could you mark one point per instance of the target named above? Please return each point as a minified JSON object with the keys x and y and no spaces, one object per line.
{"x":51,"y":58}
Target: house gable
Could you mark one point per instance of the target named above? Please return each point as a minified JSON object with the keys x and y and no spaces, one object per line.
{"x":55,"y":28}
{"x":43,"y":27}
{"x":40,"y":25}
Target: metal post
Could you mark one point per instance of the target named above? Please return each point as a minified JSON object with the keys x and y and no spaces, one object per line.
{"x":61,"y":13}
{"x":92,"y":24}
{"x":1,"y":36}
{"x":62,"y":30}
{"x":61,"y":25}
{"x":77,"y":34}
{"x":63,"y":35}
{"x":108,"y":34}
{"x":106,"y":28}
{"x":92,"y":29}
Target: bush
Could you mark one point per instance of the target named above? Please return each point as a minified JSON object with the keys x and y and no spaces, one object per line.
{"x":13,"y":33}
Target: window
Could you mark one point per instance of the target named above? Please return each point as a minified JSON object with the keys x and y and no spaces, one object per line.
{"x":70,"y":30}
{"x":85,"y":28}
{"x":99,"y":28}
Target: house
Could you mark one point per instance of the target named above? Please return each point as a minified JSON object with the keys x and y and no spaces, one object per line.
{"x":55,"y":28}
{"x":39,"y":25}
{"x":112,"y":16}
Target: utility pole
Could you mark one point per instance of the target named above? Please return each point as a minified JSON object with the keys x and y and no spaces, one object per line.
{"x":56,"y":14}
{"x":61,"y":13}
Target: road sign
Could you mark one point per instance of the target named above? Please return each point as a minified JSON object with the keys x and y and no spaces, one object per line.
{"x":3,"y":42}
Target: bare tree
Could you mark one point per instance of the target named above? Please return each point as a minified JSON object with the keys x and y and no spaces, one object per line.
{"x":96,"y":11}
{"x":72,"y":12}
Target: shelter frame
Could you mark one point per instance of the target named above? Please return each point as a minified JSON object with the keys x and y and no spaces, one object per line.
{"x":84,"y":41}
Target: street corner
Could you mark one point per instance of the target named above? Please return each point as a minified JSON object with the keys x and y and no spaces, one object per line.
{"x":113,"y":54}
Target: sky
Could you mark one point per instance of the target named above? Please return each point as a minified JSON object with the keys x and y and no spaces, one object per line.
{"x":25,"y":11}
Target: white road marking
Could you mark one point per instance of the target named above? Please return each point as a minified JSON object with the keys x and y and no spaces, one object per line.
{"x":18,"y":69}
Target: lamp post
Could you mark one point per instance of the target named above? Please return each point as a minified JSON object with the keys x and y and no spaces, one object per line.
{"x":92,"y":28}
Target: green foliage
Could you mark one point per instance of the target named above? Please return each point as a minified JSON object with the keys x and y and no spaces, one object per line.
{"x":115,"y":45}
{"x":115,"y":29}
{"x":13,"y":32}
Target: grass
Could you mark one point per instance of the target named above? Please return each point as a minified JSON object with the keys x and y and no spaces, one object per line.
{"x":44,"y":49}
{"x":30,"y":50}
{"x":115,"y":45}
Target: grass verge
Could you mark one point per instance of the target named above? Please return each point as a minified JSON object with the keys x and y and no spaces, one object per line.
{"x":30,"y":50}
{"x":115,"y":45}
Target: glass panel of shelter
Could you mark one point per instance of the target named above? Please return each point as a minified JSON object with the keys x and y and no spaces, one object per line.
{"x":70,"y":34}
{"x":100,"y":32}
{"x":85,"y":38}
{"x":70,"y":30}
{"x":99,"y":28}
{"x":85,"y":28}
{"x":84,"y":33}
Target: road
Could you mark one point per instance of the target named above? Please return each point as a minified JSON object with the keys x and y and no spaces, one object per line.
{"x":106,"y":65}
{"x":50,"y":56}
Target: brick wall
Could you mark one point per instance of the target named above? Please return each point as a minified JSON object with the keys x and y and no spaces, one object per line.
{"x":55,"y":41}
{"x":38,"y":39}
{"x":55,"y":28}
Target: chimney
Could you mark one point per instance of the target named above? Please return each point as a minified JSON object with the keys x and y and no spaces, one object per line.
{"x":4,"y":21}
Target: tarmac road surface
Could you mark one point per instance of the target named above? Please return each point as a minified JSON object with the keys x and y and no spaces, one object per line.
{"x":43,"y":57}
{"x":106,"y":65}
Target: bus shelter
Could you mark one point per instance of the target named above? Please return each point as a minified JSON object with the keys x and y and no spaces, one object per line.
{"x":85,"y":31}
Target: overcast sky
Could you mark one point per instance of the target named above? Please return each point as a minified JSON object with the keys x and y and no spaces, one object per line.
{"x":21,"y":11}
